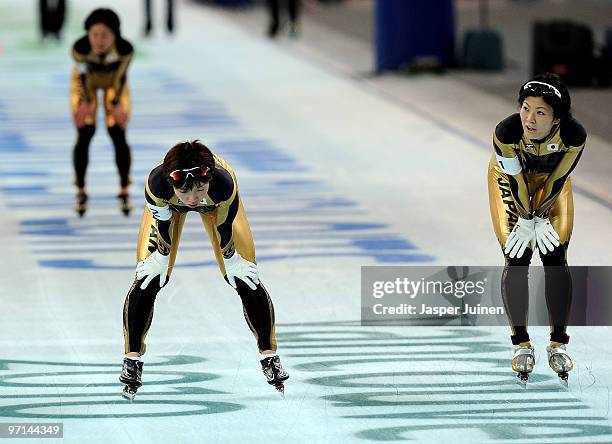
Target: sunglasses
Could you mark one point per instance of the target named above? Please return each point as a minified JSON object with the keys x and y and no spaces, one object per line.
{"x":179,"y":177}
{"x":541,"y":88}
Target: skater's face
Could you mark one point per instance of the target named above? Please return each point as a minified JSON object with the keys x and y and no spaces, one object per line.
{"x":101,"y":38}
{"x":194,"y":196}
{"x":537,"y":118}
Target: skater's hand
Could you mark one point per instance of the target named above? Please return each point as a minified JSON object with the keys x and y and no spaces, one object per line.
{"x":522,"y":234}
{"x":546,"y":236}
{"x":154,"y":265}
{"x":84,"y":110}
{"x":238,"y":267}
{"x":120,"y":115}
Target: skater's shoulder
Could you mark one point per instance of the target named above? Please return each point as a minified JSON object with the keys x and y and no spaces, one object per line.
{"x":157,"y":186}
{"x":510,"y":129}
{"x":222,"y":184}
{"x":82,"y":46}
{"x":124,"y":47}
{"x":572,"y":132}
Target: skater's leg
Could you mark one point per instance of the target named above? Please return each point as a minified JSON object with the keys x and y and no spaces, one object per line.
{"x":123,"y":157}
{"x":148,"y":17}
{"x":514,"y":283}
{"x":257,"y":305}
{"x":137,"y":316}
{"x":170,"y":16}
{"x":85,"y":129}
{"x":294,"y":10}
{"x":558,"y":279}
{"x":273,"y":10}
{"x":558,"y":290}
{"x":259,"y":315}
{"x":80,"y":154}
{"x":139,"y":303}
{"x":117,"y":130}
{"x":515,"y":295}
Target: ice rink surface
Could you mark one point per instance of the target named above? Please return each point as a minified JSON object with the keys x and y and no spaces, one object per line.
{"x":336,"y":172}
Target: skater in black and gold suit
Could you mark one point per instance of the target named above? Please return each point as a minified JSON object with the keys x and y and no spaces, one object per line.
{"x":102,"y":58}
{"x":530,"y":196}
{"x":193,"y":179}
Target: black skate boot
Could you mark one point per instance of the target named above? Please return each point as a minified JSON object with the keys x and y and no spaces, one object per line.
{"x":275,"y":374}
{"x":81,"y":204}
{"x":125,"y":204}
{"x":131,"y":376}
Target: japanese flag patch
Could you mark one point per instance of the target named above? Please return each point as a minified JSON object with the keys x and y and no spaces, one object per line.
{"x":552,"y":147}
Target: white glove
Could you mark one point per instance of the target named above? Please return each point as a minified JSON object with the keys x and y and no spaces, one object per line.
{"x":522,"y":234}
{"x":546,"y":236}
{"x":237,"y":267}
{"x":156,"y":264}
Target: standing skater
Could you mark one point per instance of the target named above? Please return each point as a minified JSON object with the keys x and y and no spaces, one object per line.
{"x":102,"y":57}
{"x":51,"y":14}
{"x":293,"y":8}
{"x":192,"y":178}
{"x":149,"y":17}
{"x":530,"y":196}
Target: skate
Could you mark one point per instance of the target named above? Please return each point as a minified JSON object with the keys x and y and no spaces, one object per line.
{"x":275,"y":374}
{"x":131,"y":376}
{"x":560,"y":362}
{"x":125,"y":204}
{"x":523,"y":361}
{"x":80,"y":205}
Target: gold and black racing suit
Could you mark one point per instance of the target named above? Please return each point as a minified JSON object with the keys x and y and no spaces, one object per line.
{"x":528,"y":178}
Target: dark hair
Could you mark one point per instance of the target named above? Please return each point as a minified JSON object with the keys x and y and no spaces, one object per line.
{"x":547,"y":86}
{"x":105,"y":16}
{"x":190,"y":154}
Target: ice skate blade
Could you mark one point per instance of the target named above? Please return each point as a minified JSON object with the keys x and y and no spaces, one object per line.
{"x":280,"y":388}
{"x":522,"y":378}
{"x":129,"y":393}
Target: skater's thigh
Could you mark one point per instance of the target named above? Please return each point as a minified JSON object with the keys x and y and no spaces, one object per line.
{"x":76,"y":92}
{"x":561,"y":214}
{"x":243,"y":238}
{"x":504,"y":213}
{"x":125,"y":102}
{"x":210,"y":225}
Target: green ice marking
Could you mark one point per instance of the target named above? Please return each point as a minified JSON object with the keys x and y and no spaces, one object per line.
{"x":372,"y":399}
{"x":202,"y":408}
{"x":322,"y":366}
{"x":182,"y":384}
{"x":353,"y":380}
{"x":502,"y":431}
{"x":184,"y":378}
{"x":423,"y":399}
{"x":168,"y":360}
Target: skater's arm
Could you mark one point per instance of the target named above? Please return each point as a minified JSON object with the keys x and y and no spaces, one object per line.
{"x":160,"y":209}
{"x":225,"y":194}
{"x":573,"y":137}
{"x":80,"y":51}
{"x":505,"y":139}
{"x":126,"y":52}
{"x":225,"y":229}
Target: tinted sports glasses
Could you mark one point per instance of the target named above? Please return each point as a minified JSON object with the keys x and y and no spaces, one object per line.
{"x":196,"y":174}
{"x":541,"y":89}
